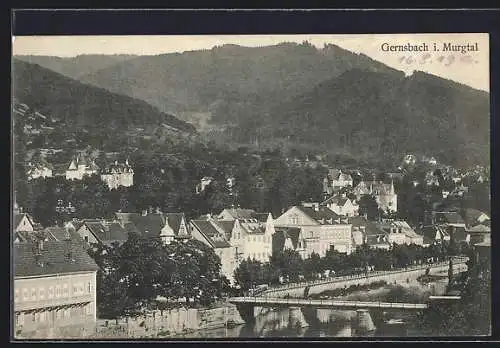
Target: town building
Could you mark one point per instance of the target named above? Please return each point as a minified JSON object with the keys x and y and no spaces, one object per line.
{"x":384,"y":194}
{"x":335,"y":180}
{"x":341,"y":205}
{"x":320,"y":229}
{"x":117,"y":175}
{"x":54,"y":290}
{"x":80,"y":167}
{"x":166,"y":226}
{"x":210,"y":233}
{"x":102,"y":232}
{"x":382,"y":234}
{"x":236,"y":235}
{"x":38,"y":170}
{"x":204,"y":182}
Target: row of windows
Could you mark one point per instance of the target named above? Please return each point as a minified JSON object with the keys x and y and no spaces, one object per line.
{"x":22,"y":318}
{"x":58,"y":291}
{"x":258,"y":256}
{"x":259,"y":239}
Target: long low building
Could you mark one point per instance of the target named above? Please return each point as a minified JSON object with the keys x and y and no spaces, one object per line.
{"x":54,"y":290}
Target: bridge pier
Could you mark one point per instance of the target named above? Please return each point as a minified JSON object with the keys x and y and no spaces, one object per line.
{"x":246,"y":311}
{"x":310,"y":315}
{"x":364,"y":323}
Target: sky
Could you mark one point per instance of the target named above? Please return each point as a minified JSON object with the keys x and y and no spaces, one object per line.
{"x":470,"y":68}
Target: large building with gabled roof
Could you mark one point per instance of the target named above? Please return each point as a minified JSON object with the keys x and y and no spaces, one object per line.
{"x":54,"y":290}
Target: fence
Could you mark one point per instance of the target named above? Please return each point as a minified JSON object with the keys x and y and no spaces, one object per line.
{"x":457,"y":260}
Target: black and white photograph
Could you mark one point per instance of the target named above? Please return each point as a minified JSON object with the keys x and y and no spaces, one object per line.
{"x":173,"y":187}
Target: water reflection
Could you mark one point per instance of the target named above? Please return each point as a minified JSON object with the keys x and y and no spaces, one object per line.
{"x":307,"y":322}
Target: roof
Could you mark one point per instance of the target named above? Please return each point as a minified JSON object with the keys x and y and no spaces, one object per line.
{"x":146,"y":225}
{"x":323,"y":214}
{"x":211,"y":233}
{"x":107,"y":231}
{"x":253,"y":227}
{"x":471,"y":216}
{"x":337,"y":200}
{"x":18,"y":217}
{"x":281,"y":235}
{"x":262,"y":217}
{"x":449,"y":217}
{"x":239,"y":213}
{"x":480,"y":228}
{"x":57,"y":233}
{"x":373,"y":187}
{"x":54,"y":260}
{"x":174,"y":221}
{"x":430,"y":231}
{"x":226,"y":226}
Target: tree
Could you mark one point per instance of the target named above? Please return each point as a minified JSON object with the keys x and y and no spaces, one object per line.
{"x":368,"y":205}
{"x":312,"y":266}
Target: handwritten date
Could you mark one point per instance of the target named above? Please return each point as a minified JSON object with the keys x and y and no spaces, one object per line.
{"x":446,"y":60}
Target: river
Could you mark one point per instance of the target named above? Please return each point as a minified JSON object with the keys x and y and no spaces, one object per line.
{"x":334,"y":323}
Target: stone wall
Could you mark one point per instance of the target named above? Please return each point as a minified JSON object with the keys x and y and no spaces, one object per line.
{"x":168,"y":323}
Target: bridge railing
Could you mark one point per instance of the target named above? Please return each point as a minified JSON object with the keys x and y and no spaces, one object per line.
{"x":456,"y":260}
{"x":327,"y":303}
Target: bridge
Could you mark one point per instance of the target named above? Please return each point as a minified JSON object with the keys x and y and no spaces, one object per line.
{"x":397,"y":275}
{"x":365,"y":310}
{"x":347,"y":305}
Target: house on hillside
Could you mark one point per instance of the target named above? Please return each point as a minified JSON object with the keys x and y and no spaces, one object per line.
{"x":385,"y":194}
{"x":453,"y":223}
{"x":38,"y":170}
{"x":54,"y":290}
{"x":335,"y":180}
{"x":118,"y":174}
{"x":320,"y":229}
{"x":80,"y":167}
{"x":204,"y":182}
{"x":341,"y":205}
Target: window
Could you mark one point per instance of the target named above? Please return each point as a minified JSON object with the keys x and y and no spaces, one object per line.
{"x":254,"y":238}
{"x":293,"y":220}
{"x":58,"y":291}
{"x":16,"y":295}
{"x":41,"y":293}
{"x":89,"y":287}
{"x":75,"y":289}
{"x":33,"y":317}
{"x":86,"y":239}
{"x":88,"y":308}
{"x":33,"y":293}
{"x":51,"y":292}
{"x":65,"y":290}
{"x":26,"y":294}
{"x":58,"y":314}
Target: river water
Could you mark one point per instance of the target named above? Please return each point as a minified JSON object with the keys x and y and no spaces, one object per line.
{"x":291,"y":323}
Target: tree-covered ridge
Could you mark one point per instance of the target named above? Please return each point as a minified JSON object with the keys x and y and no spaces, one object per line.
{"x":368,"y":114}
{"x":77,"y":66}
{"x":75,"y":105}
{"x":228,"y":75}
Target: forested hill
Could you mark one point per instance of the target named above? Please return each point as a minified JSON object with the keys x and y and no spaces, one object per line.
{"x":225,"y":82}
{"x":371,"y":114}
{"x":75,"y":67}
{"x":79,"y":106}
